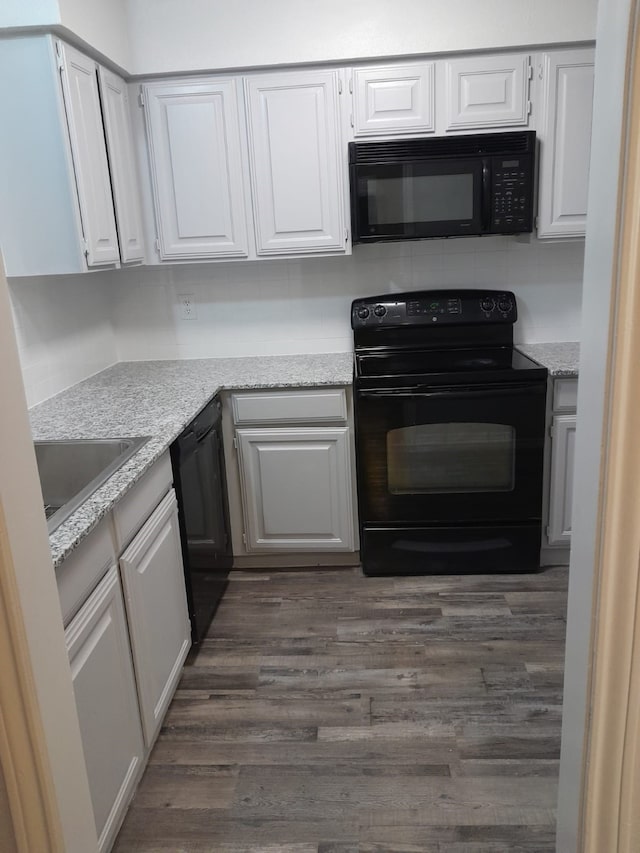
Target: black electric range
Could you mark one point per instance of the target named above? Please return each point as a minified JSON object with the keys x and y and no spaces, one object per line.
{"x":450,"y":422}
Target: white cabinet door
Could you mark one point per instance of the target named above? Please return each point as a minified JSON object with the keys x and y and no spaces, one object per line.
{"x":153,"y":579}
{"x":565,"y":142}
{"x":196,"y":168}
{"x":296,"y":489}
{"x":104,"y":686}
{"x":86,"y":135}
{"x":487,"y":91}
{"x":294,"y":145}
{"x":124,"y":176}
{"x":561,"y":487}
{"x":393,"y":99}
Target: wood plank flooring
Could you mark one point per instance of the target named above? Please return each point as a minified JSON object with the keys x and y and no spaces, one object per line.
{"x":331,"y":713}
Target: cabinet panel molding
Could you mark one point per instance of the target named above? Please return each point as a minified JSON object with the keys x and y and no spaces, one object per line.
{"x":196,"y":168}
{"x":296,"y":488}
{"x":124,"y":175}
{"x":294,"y":148}
{"x":565,"y":142}
{"x":104,"y":686}
{"x":86,"y":135}
{"x":394,"y":99}
{"x":153,"y":579}
{"x":487,"y":91}
{"x":561,"y":493}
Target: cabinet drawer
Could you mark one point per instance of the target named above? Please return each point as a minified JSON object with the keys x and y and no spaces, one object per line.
{"x":80,"y":573}
{"x":290,"y":406}
{"x":136,"y":506}
{"x":565,"y":395}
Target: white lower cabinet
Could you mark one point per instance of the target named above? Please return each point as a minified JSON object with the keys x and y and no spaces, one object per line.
{"x":559,"y":466}
{"x":296,"y":489}
{"x":157,"y":612}
{"x":105,"y":690}
{"x":126,"y":653}
{"x":563,"y":434}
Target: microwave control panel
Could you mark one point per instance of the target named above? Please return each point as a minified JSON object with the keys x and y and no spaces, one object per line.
{"x":511,"y":194}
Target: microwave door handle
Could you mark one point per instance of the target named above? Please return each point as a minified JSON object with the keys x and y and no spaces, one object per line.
{"x":486,"y":196}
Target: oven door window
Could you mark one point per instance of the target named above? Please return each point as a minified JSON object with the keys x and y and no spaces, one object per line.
{"x":446,"y":458}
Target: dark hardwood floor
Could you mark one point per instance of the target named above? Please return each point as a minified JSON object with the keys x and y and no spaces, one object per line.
{"x":332,"y":713}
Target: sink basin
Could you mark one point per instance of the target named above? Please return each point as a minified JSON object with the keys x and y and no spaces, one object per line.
{"x":72,"y":470}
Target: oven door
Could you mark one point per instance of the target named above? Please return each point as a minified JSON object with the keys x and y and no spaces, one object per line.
{"x":451,"y":455}
{"x":432,"y":198}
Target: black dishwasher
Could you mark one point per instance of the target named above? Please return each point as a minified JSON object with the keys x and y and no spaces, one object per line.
{"x":198,"y":475}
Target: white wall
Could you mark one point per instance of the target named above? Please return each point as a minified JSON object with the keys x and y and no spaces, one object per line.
{"x":18,"y":13}
{"x":190,"y":35}
{"x":102,"y":24}
{"x":64,"y":330}
{"x":273,"y":307}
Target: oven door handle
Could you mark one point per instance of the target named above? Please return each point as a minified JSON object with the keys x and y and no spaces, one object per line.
{"x":475,"y":392}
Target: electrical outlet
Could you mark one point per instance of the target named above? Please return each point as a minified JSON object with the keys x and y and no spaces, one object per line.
{"x":187,"y":304}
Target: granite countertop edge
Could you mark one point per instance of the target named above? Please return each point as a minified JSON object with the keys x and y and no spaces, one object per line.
{"x":562,"y":359}
{"x":108,"y":405}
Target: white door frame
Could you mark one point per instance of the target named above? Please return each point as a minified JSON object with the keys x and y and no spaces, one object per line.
{"x":594,"y":615}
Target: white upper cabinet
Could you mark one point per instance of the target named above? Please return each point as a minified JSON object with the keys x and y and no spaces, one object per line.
{"x":57,"y":202}
{"x":86,"y":135}
{"x":124,"y":177}
{"x":564,"y":129}
{"x":486,"y":91}
{"x":296,"y":162}
{"x":196,"y":168}
{"x":393,"y":99}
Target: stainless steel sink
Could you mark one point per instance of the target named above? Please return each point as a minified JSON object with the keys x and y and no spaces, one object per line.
{"x":72,"y":470}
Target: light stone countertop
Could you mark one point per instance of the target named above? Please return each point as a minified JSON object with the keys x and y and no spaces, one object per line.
{"x":560,"y":359}
{"x":158,"y":399}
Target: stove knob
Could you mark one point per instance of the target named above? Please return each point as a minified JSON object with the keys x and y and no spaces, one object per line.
{"x":487,"y":304}
{"x":505,"y":305}
{"x":363,"y":313}
{"x":379,"y":310}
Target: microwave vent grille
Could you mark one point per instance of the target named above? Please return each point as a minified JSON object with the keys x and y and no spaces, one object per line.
{"x":398,"y":150}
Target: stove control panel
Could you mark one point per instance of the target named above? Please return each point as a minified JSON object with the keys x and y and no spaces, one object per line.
{"x":434,"y":308}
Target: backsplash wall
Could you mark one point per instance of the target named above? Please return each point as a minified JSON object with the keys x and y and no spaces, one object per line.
{"x":69,"y":327}
{"x":279,"y":307}
{"x":64,"y":329}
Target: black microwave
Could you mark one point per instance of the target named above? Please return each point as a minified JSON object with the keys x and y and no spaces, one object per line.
{"x":453,"y":186}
